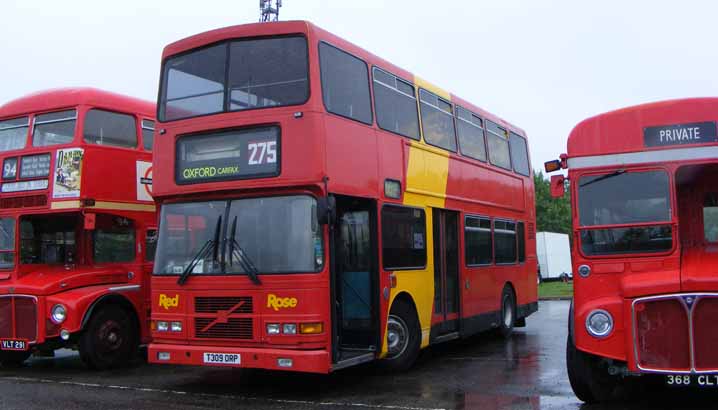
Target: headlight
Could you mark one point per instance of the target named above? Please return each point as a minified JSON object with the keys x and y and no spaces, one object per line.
{"x":163,"y":326}
{"x":289,"y":329}
{"x":272,"y":328}
{"x":58,"y":314}
{"x":176,"y":326}
{"x":599,"y":323}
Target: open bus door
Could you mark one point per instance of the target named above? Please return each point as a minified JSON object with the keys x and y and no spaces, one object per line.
{"x":355,"y":282}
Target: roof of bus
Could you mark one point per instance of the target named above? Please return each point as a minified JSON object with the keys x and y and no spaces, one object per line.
{"x":68,"y":97}
{"x":622,"y":130}
{"x":305,"y":27}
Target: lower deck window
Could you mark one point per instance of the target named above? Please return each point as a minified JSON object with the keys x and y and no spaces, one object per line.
{"x":710,"y":218}
{"x":479,"y":243}
{"x":48,"y":240}
{"x":113,"y":240}
{"x":403,"y":237}
{"x":505,"y":237}
{"x":626,"y":240}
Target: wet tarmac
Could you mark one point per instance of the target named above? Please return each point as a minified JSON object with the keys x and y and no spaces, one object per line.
{"x":484,"y":372}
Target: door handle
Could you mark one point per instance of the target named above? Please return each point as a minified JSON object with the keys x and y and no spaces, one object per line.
{"x":466,"y":284}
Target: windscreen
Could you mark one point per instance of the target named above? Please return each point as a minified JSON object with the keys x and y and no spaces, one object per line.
{"x":235,"y":75}
{"x":625,"y":198}
{"x":275,"y":234}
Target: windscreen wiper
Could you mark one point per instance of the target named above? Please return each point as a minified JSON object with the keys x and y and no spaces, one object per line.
{"x":602,"y":177}
{"x":209,"y":246}
{"x":244,"y":261}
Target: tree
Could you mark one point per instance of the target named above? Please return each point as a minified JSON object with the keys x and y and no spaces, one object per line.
{"x":552,"y":214}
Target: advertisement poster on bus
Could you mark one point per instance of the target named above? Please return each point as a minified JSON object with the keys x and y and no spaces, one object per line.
{"x":68,"y":173}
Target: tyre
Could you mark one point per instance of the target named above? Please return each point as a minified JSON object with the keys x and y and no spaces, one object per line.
{"x":109,"y":340}
{"x":13,"y":359}
{"x":403,"y":336}
{"x":508,"y":312}
{"x":590,"y":381}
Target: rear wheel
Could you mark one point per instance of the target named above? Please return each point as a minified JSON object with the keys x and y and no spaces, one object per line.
{"x":13,"y":359}
{"x":403,"y":337}
{"x":109,"y":340}
{"x":589,"y":380}
{"x":508,"y":312}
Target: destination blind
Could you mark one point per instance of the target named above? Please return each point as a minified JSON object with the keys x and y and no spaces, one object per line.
{"x":239,"y":154}
{"x":680,"y":134}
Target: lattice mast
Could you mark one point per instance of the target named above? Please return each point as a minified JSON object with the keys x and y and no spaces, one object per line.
{"x":269,"y":10}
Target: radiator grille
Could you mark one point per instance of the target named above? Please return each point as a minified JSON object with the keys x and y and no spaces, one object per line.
{"x":232,"y":328}
{"x":18,"y":318}
{"x":219,"y":304}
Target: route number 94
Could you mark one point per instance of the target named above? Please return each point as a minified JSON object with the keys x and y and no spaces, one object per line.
{"x":262,"y":152}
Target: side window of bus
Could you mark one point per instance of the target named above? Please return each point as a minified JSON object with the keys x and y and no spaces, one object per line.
{"x":477,"y":233}
{"x":345,"y":84}
{"x":395,"y":105}
{"x":13,"y":133}
{"x":522,"y":241}
{"x":710,"y":217}
{"x":110,"y":128}
{"x":54,"y":128}
{"x":403,"y":237}
{"x":148,"y":134}
{"x":519,"y":154}
{"x":471,"y":134}
{"x":505,"y":237}
{"x":150,"y":245}
{"x":437,"y":119}
{"x":113,"y":239}
{"x":498,"y":140}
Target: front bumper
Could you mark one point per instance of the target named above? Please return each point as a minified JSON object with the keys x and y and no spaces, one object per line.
{"x":311,"y":361}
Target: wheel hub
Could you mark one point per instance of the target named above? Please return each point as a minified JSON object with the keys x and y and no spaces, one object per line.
{"x":397,"y":336}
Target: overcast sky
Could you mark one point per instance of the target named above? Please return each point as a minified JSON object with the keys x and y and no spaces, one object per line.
{"x":542,"y":65}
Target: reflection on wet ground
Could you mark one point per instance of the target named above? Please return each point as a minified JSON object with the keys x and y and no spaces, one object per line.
{"x":483,"y":372}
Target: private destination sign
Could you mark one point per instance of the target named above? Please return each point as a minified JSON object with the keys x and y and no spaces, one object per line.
{"x":680,"y":134}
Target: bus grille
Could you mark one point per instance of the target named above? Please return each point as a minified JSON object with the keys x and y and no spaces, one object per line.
{"x":232,"y":328}
{"x":662,"y":332}
{"x":18,"y":318}
{"x":237,"y":304}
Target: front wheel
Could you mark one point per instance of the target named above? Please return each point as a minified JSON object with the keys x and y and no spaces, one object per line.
{"x":110,"y":339}
{"x":13,"y":359}
{"x":590,"y":382}
{"x":403,"y":337}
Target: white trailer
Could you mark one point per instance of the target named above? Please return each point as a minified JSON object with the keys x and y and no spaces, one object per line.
{"x":554,"y":255}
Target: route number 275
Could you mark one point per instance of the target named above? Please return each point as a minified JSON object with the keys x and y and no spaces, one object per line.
{"x":262,"y":152}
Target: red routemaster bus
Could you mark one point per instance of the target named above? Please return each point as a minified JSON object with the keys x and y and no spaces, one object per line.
{"x":645,"y":247}
{"x":321,"y":207}
{"x":77,"y":225}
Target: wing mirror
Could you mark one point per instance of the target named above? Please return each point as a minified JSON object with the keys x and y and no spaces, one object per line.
{"x":557,"y":186}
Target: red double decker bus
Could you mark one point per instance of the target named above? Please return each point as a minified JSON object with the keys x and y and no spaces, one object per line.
{"x":321,"y":207}
{"x":645,"y":226}
{"x":76,"y":213}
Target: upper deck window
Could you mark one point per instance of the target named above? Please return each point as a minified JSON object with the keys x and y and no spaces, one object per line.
{"x":345,"y":84}
{"x":395,"y":105}
{"x":235,"y":75}
{"x":438,"y":121}
{"x":519,"y":153}
{"x":471,"y":134}
{"x":498,"y":139}
{"x":110,"y":128}
{"x":13,"y":133}
{"x":148,"y":134}
{"x":54,"y":128}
